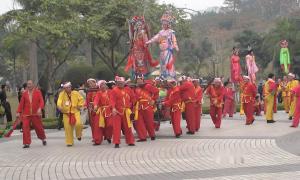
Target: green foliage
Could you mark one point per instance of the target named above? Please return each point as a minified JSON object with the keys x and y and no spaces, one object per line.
{"x":58,"y":28}
{"x":195,"y":56}
{"x":79,"y":73}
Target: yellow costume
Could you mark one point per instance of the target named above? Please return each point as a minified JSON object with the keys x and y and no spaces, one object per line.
{"x":71,"y":105}
{"x":291,"y":85}
{"x":286,"y":96}
{"x":269,"y":96}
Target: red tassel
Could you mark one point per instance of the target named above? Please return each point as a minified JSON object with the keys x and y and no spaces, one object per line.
{"x":72,"y":119}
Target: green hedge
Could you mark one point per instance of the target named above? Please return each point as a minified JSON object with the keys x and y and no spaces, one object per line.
{"x":48,"y":123}
{"x":205,"y":109}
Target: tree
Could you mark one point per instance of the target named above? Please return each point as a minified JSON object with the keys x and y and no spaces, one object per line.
{"x":196,"y":56}
{"x":233,"y":5}
{"x":58,"y":28}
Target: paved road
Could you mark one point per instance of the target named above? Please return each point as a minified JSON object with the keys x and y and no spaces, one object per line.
{"x":261,"y":151}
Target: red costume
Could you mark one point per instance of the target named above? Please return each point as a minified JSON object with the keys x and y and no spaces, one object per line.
{"x":103,"y":122}
{"x":258,"y":107}
{"x":28,"y":108}
{"x":296,"y":93}
{"x":144,"y":110}
{"x":139,"y":59}
{"x":187,"y":90}
{"x":198,"y":107}
{"x":89,"y":103}
{"x":229,"y":104}
{"x":173,"y":100}
{"x":123,"y":103}
{"x":235,"y":68}
{"x":248,"y":100}
{"x":216,"y":95}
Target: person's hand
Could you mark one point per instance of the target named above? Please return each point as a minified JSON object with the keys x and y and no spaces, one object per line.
{"x":215,"y":102}
{"x":39,"y":111}
{"x":95,"y":108}
{"x":17,"y":115}
{"x":114,"y":111}
{"x":152,"y":103}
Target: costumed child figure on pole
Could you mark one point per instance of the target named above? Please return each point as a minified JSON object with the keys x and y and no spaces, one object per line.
{"x":167,"y":43}
{"x":285,"y":61}
{"x":139,"y":59}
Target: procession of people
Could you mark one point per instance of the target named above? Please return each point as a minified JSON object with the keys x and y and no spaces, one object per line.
{"x":126,"y":106}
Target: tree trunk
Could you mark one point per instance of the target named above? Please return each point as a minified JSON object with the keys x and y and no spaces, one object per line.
{"x":49,"y":73}
{"x":33,"y":66}
{"x":24,"y":74}
{"x":88,"y":51}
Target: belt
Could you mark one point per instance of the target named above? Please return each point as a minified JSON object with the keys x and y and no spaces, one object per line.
{"x":101,"y":116}
{"x":127,"y":114}
{"x":179,"y":105}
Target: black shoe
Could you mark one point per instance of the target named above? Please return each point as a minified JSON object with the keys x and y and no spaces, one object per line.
{"x":26,"y":146}
{"x":293,"y":126}
{"x":248,"y":124}
{"x":291,"y":118}
{"x":69,"y":145}
{"x":44,"y":142}
{"x":177,"y":136}
{"x":189,"y":132}
{"x":152,"y":138}
{"x":79,"y":139}
{"x":117,"y":146}
{"x":131,"y":144}
{"x":141,"y":140}
{"x":109,"y":141}
{"x":96,"y":144}
{"x":271,"y":121}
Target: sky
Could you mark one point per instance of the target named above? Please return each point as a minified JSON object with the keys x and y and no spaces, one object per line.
{"x":198,"y":5}
{"x":7,"y":5}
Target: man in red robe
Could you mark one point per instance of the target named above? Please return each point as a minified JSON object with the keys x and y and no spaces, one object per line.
{"x":216,"y":95}
{"x":122,"y":110}
{"x":248,"y":99}
{"x":229,"y":104}
{"x":146,"y":95}
{"x":198,"y":103}
{"x":187,"y":90}
{"x":91,"y":94}
{"x":173,"y":100}
{"x":103,"y":106}
{"x":296,"y":94}
{"x":30,"y":111}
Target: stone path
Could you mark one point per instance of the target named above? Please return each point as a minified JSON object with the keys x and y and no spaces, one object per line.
{"x":261,"y":151}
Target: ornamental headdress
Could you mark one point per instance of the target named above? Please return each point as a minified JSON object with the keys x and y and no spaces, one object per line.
{"x":137,"y":24}
{"x":168,"y":18}
{"x":284,"y":43}
{"x":137,"y":21}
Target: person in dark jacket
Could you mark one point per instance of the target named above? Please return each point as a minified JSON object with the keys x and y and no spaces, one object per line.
{"x":5,"y":103}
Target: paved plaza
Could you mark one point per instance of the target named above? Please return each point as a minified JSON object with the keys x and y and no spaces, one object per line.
{"x":261,"y":151}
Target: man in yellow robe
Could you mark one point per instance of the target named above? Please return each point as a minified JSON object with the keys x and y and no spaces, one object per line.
{"x":290,"y":86}
{"x":285,"y":93}
{"x":69,"y":103}
{"x":270,"y":89}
